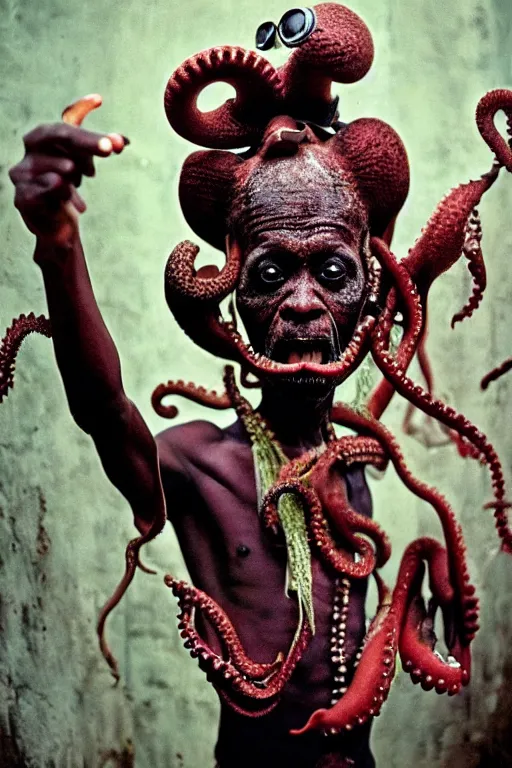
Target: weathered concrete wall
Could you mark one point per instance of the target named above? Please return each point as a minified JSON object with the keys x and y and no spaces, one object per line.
{"x":63,"y":528}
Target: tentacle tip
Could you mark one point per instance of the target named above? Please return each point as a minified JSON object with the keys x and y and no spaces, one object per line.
{"x":313,"y":722}
{"x":146,"y":569}
{"x":117,"y":678}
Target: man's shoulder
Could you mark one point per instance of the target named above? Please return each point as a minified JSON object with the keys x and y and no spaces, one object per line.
{"x":187,"y":440}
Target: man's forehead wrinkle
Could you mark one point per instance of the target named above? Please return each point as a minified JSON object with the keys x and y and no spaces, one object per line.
{"x":314,"y":232}
{"x":298,"y":215}
{"x":316,"y":238}
{"x":296,"y":195}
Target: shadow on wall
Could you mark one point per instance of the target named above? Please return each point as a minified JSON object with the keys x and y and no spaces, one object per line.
{"x":492,"y":749}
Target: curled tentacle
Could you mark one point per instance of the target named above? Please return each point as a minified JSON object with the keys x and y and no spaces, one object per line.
{"x":132,"y":562}
{"x":20,"y":328}
{"x":191,"y":391}
{"x":244,"y":683}
{"x":191,"y":597}
{"x":416,"y":642}
{"x":276,"y":684}
{"x":448,"y":416}
{"x":332,"y":493}
{"x":340,"y":560}
{"x":409,"y":302}
{"x":206,"y":285}
{"x":443,"y":239}
{"x":488,"y":106}
{"x":397,"y":625}
{"x":473,"y":252}
{"x":351,"y":357}
{"x":452,"y":531}
{"x":337,"y":47}
{"x":238,"y":122}
{"x":436,"y":250}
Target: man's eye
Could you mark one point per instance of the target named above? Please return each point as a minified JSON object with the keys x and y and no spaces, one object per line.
{"x":333,"y":270}
{"x":270,"y":273}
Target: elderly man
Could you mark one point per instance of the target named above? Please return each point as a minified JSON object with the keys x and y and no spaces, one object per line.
{"x":305,"y":217}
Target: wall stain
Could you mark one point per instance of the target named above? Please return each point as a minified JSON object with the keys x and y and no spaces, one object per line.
{"x":125,"y":758}
{"x":43,"y":541}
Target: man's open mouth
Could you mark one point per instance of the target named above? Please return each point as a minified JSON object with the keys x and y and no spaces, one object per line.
{"x":319,"y":351}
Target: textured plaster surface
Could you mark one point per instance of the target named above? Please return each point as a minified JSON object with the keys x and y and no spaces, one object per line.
{"x":63,"y":528}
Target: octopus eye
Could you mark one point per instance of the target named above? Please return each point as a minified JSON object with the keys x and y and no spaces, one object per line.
{"x":266,"y":36}
{"x":296,"y":26}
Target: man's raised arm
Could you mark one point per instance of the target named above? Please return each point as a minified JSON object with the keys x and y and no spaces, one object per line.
{"x":46,"y":181}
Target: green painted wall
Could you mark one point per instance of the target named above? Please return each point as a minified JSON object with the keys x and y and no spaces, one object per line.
{"x":63,"y":528}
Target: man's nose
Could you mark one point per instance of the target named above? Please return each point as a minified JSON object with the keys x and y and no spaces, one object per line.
{"x":302,"y":305}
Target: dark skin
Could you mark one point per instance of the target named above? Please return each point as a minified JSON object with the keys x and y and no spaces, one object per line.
{"x":300,"y":294}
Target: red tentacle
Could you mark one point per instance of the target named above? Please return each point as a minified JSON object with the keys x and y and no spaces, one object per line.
{"x":332,"y":493}
{"x":473,"y":252}
{"x":238,"y":122}
{"x":398,"y":624}
{"x":496,"y":373}
{"x":191,"y":391}
{"x":448,"y":416}
{"x":488,"y":106}
{"x":441,"y":242}
{"x":366,"y":424}
{"x":372,"y":680}
{"x":243,"y":682}
{"x":20,"y":328}
{"x":208,"y":285}
{"x":132,"y":561}
{"x":340,"y":560}
{"x":405,"y":295}
{"x":190,"y":597}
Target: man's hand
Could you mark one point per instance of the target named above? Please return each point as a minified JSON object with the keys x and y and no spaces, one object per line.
{"x":56,"y":157}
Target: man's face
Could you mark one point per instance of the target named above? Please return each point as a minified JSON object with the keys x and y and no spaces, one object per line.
{"x":300,"y":295}
{"x":302,"y":229}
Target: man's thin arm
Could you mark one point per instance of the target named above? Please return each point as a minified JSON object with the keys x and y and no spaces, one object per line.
{"x":89,"y":364}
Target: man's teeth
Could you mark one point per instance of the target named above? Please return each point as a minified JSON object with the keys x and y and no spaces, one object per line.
{"x":308,"y":356}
